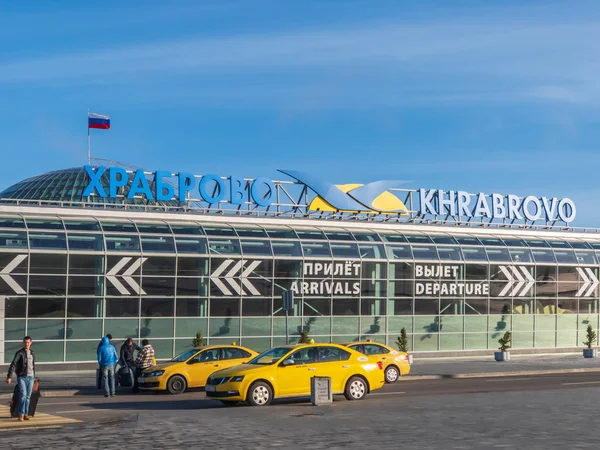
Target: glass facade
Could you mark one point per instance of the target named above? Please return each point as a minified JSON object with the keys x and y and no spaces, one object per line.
{"x":68,"y":281}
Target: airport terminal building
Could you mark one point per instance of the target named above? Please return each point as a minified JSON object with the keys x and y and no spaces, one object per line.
{"x":96,"y":250}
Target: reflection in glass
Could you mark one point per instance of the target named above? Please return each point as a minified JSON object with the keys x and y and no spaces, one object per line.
{"x":13,"y":239}
{"x":316,"y":248}
{"x":474,"y":253}
{"x":154,"y":228}
{"x":521,"y":255}
{"x":286,"y":248}
{"x":224,"y":246}
{"x":126,"y":227}
{"x":122,"y":243}
{"x":46,"y":307}
{"x":427,"y":252}
{"x":449,"y":253}
{"x":543,"y":256}
{"x":399,"y":251}
{"x":372,"y":251}
{"x":190,"y":229}
{"x":565,"y":256}
{"x":93,"y":242}
{"x":585,"y":257}
{"x":191,"y":245}
{"x":344,"y":250}
{"x":45,"y":241}
{"x":158,"y":244}
{"x":256,"y":247}
{"x":497,"y":254}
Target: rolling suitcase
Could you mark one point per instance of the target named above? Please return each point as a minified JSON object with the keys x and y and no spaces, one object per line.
{"x":124,"y":377}
{"x":33,"y":401}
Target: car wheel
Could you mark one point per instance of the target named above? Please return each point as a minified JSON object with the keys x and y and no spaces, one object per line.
{"x":259,"y":394}
{"x":356,"y":389}
{"x":228,"y":402}
{"x":392,"y":374}
{"x":176,"y":385}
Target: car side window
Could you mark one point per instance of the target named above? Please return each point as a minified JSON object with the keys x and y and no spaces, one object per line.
{"x":207,"y":356}
{"x":303,"y":356}
{"x":233,"y":353}
{"x":357,"y":347}
{"x":372,"y":349}
{"x":328,"y":354}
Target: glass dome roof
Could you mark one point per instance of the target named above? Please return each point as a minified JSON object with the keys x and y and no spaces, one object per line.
{"x":67,"y":185}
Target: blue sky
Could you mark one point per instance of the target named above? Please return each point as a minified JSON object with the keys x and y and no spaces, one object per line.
{"x":478,"y":96}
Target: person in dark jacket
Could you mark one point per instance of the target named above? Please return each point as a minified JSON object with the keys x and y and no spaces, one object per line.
{"x":127,"y":354}
{"x":23,"y":364}
{"x":107,"y":358}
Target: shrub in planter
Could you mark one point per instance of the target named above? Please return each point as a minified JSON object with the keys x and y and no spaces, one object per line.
{"x":590,"y":352}
{"x":198,"y":339}
{"x":402,"y":344}
{"x":503,"y":353}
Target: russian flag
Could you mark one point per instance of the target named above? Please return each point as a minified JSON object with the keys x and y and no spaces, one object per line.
{"x":98,"y":121}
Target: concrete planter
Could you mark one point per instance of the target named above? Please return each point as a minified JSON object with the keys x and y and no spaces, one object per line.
{"x":502,"y":356}
{"x":590,"y":352}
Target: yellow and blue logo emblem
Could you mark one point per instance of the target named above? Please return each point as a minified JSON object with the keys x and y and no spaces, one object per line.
{"x":372,"y":198}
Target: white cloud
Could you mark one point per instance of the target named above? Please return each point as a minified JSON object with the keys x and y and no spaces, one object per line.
{"x":383,"y":64}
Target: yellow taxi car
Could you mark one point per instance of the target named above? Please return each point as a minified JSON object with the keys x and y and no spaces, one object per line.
{"x":395,"y":363}
{"x":286,"y":372}
{"x":191,"y":368}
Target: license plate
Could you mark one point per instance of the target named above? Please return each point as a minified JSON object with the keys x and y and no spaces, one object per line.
{"x":211,"y":388}
{"x":141,"y":381}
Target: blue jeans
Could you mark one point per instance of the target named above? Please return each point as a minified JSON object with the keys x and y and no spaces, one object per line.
{"x":109,"y":372}
{"x":25,"y":389}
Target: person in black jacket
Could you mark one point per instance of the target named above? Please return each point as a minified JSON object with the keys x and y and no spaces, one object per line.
{"x":23,"y":365}
{"x":126,"y":355}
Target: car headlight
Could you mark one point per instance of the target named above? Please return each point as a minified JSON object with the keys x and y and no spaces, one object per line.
{"x":236,"y":379}
{"x":157,"y":373}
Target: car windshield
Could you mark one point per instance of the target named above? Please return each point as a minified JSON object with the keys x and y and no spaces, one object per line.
{"x":185,"y":355}
{"x":270,"y":356}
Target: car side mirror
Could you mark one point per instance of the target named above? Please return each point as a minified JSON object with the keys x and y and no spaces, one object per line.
{"x":287,"y":362}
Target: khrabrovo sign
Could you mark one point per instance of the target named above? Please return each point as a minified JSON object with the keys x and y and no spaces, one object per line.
{"x":212,"y":189}
{"x":438,"y":202}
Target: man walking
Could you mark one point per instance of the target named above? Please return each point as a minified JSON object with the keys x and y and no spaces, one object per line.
{"x":107,"y":358}
{"x":23,"y":364}
{"x":144,"y":360}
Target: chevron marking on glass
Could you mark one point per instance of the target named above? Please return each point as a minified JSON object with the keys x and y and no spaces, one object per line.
{"x":229,"y":278}
{"x":510,"y":282}
{"x":110,"y":275}
{"x":590,"y":282}
{"x":253,"y":265}
{"x":5,"y":274}
{"x":528,"y":279}
{"x":129,"y":279}
{"x":217,"y":273}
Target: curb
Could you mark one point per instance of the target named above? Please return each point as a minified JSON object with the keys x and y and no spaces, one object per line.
{"x":498,"y":374}
{"x":72,"y":392}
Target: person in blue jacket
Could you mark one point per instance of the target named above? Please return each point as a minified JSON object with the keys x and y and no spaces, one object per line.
{"x":107,"y":358}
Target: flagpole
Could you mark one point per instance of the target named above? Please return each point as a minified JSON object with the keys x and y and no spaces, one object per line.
{"x":89,"y":148}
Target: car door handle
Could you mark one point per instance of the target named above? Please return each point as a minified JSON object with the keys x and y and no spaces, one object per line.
{"x":311,"y":368}
{"x":345,"y":367}
{"x":216,"y":365}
